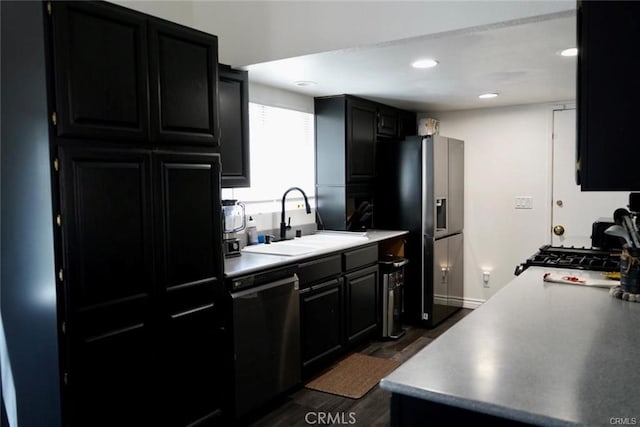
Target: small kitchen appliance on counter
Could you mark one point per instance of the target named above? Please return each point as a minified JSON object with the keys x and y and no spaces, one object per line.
{"x":234,"y":220}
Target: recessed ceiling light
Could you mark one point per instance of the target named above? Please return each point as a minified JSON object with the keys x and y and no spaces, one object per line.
{"x":572,"y":51}
{"x":305,"y":83}
{"x":487,"y":95}
{"x":424,"y":63}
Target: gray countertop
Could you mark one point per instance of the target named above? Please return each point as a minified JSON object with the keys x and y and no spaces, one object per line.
{"x":537,"y":352}
{"x":248,"y":263}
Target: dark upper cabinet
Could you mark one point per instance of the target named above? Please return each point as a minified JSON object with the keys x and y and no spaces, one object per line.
{"x":124,"y":76}
{"x":233,"y":95}
{"x":183,"y":84}
{"x":188,"y":188}
{"x":608,"y":89}
{"x":108,"y":283}
{"x":347,"y":133}
{"x":345,"y":140}
{"x":100,"y":71}
{"x":407,"y":123}
{"x":361,"y":141}
{"x":387,"y":121}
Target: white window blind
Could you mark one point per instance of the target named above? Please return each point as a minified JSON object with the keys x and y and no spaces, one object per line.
{"x":282,"y":154}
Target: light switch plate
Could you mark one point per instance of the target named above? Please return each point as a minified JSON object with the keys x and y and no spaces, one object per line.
{"x":524,"y":202}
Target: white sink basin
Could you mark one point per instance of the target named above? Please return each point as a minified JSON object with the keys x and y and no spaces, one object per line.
{"x":307,"y":244}
{"x":284,"y":248}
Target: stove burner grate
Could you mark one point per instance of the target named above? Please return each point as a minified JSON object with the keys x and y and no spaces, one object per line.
{"x":572,"y":258}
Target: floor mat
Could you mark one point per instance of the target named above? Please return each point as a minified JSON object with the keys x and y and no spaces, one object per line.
{"x":353,"y":376}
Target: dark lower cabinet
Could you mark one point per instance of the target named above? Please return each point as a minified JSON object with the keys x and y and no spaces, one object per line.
{"x":188,"y":214}
{"x":108,"y":282}
{"x":338,"y":310}
{"x":321,"y":313}
{"x":142,"y":269}
{"x":192,"y":371}
{"x":362,"y":302}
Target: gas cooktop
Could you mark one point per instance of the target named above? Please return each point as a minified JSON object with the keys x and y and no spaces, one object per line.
{"x":573,"y":258}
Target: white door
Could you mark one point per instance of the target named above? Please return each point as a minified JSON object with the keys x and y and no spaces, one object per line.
{"x":574,"y":211}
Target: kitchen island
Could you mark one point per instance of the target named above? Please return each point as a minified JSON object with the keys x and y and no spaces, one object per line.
{"x":535,"y":353}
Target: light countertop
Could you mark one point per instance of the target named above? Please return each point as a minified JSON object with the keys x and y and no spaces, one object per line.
{"x":536,"y":352}
{"x":248,"y":263}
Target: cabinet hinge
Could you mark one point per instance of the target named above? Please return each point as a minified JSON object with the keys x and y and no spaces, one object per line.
{"x":63,"y":327}
{"x":54,"y":118}
{"x":578,"y":166}
{"x":56,"y":164}
{"x":59,"y":220}
{"x":60,"y":275}
{"x":65,"y":378}
{"x":49,"y":11}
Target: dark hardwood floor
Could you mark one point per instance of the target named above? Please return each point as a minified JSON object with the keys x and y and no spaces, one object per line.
{"x":309,"y":407}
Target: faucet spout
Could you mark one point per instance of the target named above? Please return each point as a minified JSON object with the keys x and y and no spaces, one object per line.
{"x":283,"y":224}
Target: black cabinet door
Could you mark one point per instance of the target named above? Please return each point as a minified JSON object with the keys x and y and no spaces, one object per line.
{"x":188,"y":215}
{"x":100,"y":71}
{"x":361,"y":141}
{"x":608,"y":89}
{"x":183,"y":84}
{"x":108,"y":284}
{"x":234,"y":126}
{"x":362,"y":302}
{"x":387,"y":121}
{"x":322,"y":322}
{"x":407,"y":123}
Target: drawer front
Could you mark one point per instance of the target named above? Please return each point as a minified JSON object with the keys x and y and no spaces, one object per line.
{"x":318,"y":269}
{"x":360,"y":257}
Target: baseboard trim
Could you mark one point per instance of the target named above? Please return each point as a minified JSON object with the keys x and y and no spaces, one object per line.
{"x":472,"y":303}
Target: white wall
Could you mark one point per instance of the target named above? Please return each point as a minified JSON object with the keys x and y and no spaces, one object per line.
{"x":276,"y":97}
{"x":507,"y":154}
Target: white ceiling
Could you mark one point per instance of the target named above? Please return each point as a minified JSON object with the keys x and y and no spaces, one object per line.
{"x":518,"y":59}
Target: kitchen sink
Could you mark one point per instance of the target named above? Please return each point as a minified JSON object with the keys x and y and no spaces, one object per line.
{"x":281,"y":248}
{"x":304,"y":245}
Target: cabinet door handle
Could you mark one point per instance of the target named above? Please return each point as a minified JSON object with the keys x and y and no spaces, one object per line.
{"x":326,"y":285}
{"x":192,"y":311}
{"x":114,"y":333}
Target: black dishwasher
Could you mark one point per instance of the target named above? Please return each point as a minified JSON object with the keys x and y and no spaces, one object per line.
{"x":266,"y":337}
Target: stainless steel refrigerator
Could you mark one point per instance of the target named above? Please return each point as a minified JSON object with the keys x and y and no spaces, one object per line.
{"x":420,"y":188}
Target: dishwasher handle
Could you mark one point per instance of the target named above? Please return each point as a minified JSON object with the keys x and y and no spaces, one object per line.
{"x":293,"y":279}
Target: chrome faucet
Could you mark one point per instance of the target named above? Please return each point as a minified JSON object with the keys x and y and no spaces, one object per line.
{"x":283,"y":225}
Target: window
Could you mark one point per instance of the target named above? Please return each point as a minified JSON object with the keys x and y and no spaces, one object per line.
{"x":282,"y":156}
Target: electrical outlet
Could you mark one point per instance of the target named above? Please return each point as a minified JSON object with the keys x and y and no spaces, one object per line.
{"x":524,"y":202}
